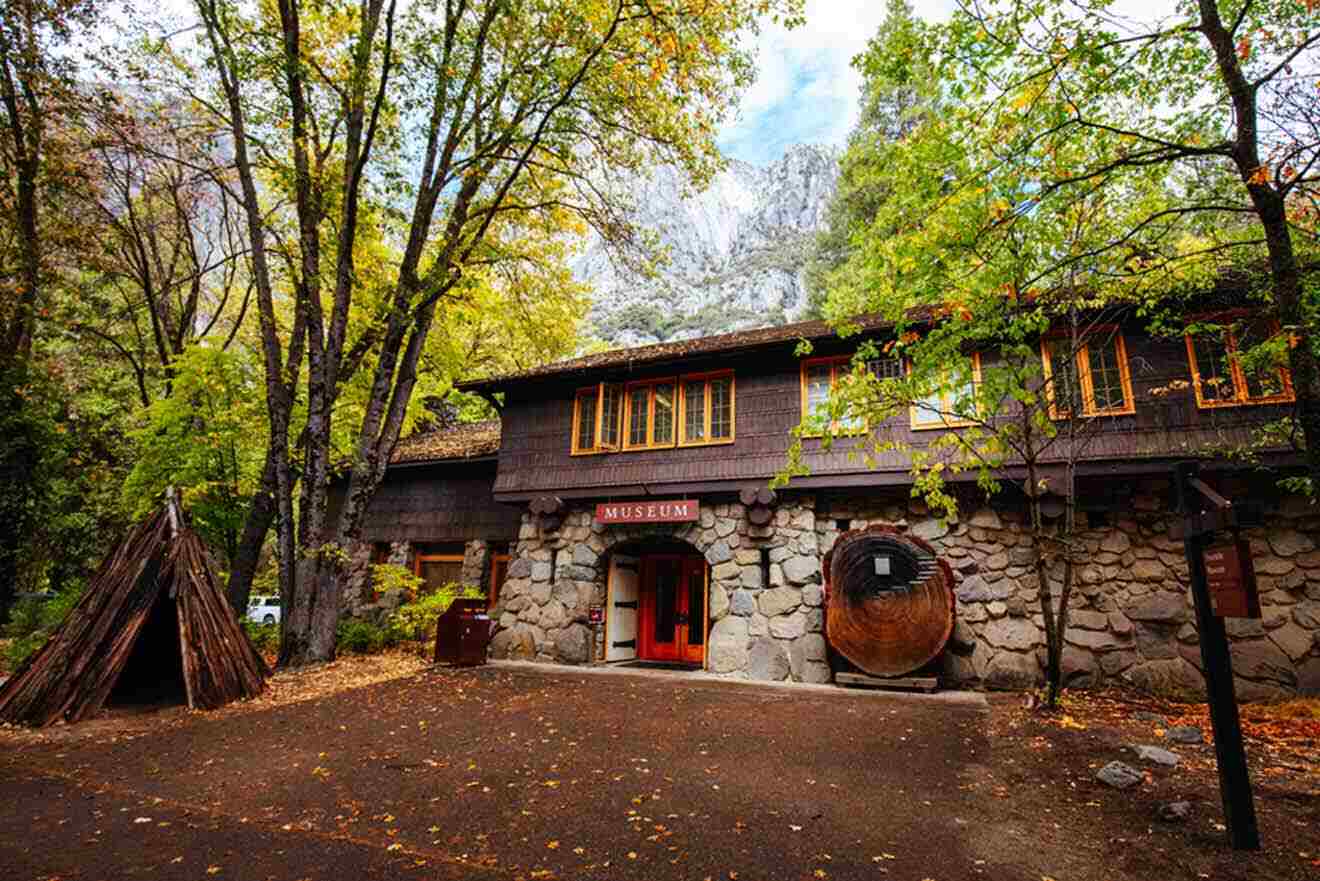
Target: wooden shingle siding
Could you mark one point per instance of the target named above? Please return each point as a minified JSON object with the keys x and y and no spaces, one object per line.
{"x":447,"y":502}
{"x":537,"y":427}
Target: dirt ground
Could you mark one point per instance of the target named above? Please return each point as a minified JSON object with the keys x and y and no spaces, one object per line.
{"x":382,"y":768}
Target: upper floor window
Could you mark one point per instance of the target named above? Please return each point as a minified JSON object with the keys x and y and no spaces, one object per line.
{"x":650,"y":415}
{"x":1218,"y":374}
{"x":1096,"y":377}
{"x":706,"y":409}
{"x":947,"y":406}
{"x":596,"y":412}
{"x":820,"y":376}
{"x":654,"y":414}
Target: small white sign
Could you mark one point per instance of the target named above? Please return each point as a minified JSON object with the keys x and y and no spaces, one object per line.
{"x":881,"y":565}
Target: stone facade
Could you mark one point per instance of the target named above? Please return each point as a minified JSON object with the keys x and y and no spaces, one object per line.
{"x":764,"y":624}
{"x":1131,"y":615}
{"x":359,"y":600}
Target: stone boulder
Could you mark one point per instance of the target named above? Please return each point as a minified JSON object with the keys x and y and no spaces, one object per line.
{"x":1010,"y":671}
{"x":1119,"y":775}
{"x":516,"y":643}
{"x":1016,"y":634}
{"x":768,"y":660}
{"x":573,"y":644}
{"x":1262,"y":659}
{"x":779,"y":600}
{"x":1161,"y":608}
{"x":727,"y":651}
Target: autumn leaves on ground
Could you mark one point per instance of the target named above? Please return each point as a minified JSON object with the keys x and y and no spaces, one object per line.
{"x":387,"y":768}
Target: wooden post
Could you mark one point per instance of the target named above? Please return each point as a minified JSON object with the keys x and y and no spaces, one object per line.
{"x":1234,"y":780}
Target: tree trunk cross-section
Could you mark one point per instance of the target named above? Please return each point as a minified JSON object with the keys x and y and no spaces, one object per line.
{"x":890,"y":605}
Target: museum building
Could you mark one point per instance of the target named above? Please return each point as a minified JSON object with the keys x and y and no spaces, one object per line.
{"x":619,"y":512}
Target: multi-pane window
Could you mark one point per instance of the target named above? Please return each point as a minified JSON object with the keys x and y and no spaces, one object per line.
{"x":650,"y":417}
{"x":654,"y":413}
{"x":596,"y":415}
{"x":1097,"y":377}
{"x":706,"y":409}
{"x":948,"y":405}
{"x":821,"y":375}
{"x":1220,"y":377}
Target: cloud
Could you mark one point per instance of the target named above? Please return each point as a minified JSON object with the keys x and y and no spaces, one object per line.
{"x":807,"y":90}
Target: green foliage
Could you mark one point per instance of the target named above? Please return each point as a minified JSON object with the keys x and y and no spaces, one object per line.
{"x":32,"y":621}
{"x":364,"y":638}
{"x":265,"y":637}
{"x":416,"y":620}
{"x":207,"y":439}
{"x":388,"y":576}
{"x":899,"y":92}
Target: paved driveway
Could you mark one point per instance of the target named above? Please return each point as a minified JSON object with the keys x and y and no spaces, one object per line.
{"x":514,"y":773}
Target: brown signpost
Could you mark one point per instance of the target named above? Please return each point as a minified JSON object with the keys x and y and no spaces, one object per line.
{"x":1232,"y":580}
{"x":649,"y":511}
{"x":1233,"y":561}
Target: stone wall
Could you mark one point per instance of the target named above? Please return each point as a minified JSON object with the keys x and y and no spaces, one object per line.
{"x":1131,"y":618}
{"x":759,"y":630}
{"x":359,"y":599}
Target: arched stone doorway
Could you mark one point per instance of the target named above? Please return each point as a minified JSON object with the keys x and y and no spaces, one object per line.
{"x":764,"y":616}
{"x":657,"y":597}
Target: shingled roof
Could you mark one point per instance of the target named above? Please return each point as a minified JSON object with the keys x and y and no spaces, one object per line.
{"x":467,"y":441}
{"x":658,"y":353}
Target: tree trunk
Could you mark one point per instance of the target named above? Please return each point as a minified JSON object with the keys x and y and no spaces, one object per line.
{"x":243,"y":567}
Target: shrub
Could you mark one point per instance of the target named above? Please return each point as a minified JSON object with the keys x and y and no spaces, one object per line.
{"x":32,"y":621}
{"x":416,"y":620}
{"x":364,"y":638}
{"x":265,"y":637}
{"x":387,"y":576}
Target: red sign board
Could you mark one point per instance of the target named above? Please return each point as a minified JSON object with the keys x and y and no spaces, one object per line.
{"x":1232,"y":580}
{"x":679,"y":511}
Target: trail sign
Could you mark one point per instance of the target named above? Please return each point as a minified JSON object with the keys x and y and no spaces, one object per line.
{"x":1199,"y":527}
{"x":1231,"y":579}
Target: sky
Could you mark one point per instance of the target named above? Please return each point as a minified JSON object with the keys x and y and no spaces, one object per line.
{"x":806,"y":91}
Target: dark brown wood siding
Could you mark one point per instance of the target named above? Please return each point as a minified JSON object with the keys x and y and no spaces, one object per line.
{"x":448,"y":502}
{"x":537,"y":424}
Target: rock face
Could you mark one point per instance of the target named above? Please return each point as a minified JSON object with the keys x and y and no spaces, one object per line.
{"x":736,"y":251}
{"x":770,"y":625}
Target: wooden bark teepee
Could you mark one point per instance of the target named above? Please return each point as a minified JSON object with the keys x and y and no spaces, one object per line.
{"x":159,"y":575}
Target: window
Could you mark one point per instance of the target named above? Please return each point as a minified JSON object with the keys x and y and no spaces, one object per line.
{"x":706,"y":409}
{"x":1218,"y":374}
{"x":499,"y":570}
{"x":650,"y":415}
{"x":437,"y":570}
{"x":1097,"y":377}
{"x":821,"y":375}
{"x":596,"y":416}
{"x":956,"y":394}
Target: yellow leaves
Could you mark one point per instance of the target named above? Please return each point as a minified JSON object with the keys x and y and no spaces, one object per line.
{"x":1260,"y":176}
{"x":1244,"y":48}
{"x":552,"y":845}
{"x":213,"y":870}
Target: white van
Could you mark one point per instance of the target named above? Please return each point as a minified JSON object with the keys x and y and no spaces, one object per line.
{"x":264,"y":610}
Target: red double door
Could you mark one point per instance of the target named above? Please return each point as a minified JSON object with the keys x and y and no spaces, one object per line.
{"x":672,"y":615}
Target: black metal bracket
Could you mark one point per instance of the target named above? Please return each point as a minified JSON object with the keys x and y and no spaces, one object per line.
{"x":627,"y":604}
{"x":625,"y":644}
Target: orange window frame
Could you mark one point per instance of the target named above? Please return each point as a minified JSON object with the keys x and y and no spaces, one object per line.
{"x":650,"y":386}
{"x":493,"y":591}
{"x":419,"y":559}
{"x":598,"y":415}
{"x":1241,"y":396}
{"x":681,"y":391}
{"x":1082,"y":361}
{"x":838,"y":364}
{"x":942,"y":421}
